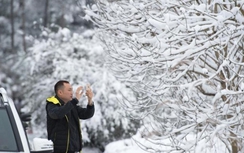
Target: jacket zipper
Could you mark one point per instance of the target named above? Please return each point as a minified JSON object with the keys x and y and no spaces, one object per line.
{"x":67,"y":147}
{"x":80,"y":134}
{"x":80,"y":131}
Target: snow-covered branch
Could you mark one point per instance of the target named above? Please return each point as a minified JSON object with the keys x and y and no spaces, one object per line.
{"x":184,"y":61}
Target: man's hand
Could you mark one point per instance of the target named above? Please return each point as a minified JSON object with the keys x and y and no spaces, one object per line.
{"x":79,"y":92}
{"x":89,"y":94}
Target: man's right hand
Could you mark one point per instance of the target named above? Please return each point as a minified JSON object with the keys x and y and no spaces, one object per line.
{"x":79,"y":92}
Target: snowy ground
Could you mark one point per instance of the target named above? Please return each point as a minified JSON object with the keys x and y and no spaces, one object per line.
{"x":90,"y":150}
{"x":131,"y":146}
{"x":123,"y":146}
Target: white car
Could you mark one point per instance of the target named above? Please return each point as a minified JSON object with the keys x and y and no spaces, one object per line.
{"x":12,"y":134}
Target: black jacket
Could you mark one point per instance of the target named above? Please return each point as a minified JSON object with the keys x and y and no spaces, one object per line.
{"x":63,"y":125}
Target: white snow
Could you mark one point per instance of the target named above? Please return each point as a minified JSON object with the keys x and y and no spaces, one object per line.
{"x":123,"y":146}
{"x":135,"y":145}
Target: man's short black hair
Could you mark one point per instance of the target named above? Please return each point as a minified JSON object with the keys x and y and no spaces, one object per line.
{"x":59,"y":85}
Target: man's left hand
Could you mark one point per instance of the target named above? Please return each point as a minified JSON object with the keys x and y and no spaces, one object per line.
{"x":89,"y":94}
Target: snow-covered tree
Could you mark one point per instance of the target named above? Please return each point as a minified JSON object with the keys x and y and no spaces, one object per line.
{"x":10,"y":74}
{"x":80,"y":60}
{"x":185,"y":61}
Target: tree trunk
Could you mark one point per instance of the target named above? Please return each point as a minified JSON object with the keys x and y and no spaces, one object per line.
{"x":61,"y":21}
{"x":12,"y":24}
{"x":234,"y":146}
{"x":46,"y":14}
{"x":22,"y":7}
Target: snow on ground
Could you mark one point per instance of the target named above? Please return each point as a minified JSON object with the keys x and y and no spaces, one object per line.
{"x":213,"y":145}
{"x":90,"y":150}
{"x":123,"y":146}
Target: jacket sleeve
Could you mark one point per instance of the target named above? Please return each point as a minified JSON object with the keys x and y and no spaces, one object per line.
{"x":86,"y":113}
{"x":57,"y":112}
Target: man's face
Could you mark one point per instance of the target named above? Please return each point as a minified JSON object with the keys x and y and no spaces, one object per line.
{"x":66,"y":93}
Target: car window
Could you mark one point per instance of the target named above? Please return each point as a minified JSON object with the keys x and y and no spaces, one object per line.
{"x":7,"y":138}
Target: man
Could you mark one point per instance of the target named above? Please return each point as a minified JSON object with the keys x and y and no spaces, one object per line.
{"x":63,"y":114}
